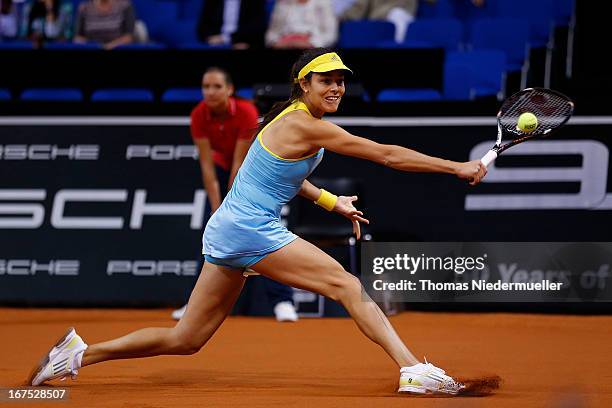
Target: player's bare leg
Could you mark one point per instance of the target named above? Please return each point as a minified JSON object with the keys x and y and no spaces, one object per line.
{"x":302,"y":265}
{"x":212,"y":299}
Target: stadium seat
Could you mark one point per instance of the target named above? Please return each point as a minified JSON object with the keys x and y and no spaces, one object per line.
{"x":52,"y":94}
{"x":408,"y":95}
{"x":365,"y":33}
{"x":505,"y":34}
{"x":141,"y":46}
{"x":269,"y":9}
{"x":457,"y":86}
{"x":474,"y":74}
{"x":5,"y":95}
{"x":182,"y":95}
{"x":437,"y":9}
{"x":197,"y":45}
{"x":246,"y":93}
{"x":540,"y":17}
{"x":15,"y":45}
{"x":438,"y":32}
{"x":407,"y":43}
{"x":563,"y":11}
{"x":122,"y":95}
{"x":160,"y":17}
{"x":466,"y":11}
{"x":177,"y":33}
{"x":72,"y":46}
{"x":189,"y":9}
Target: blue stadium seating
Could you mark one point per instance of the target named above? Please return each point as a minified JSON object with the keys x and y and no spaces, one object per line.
{"x":269,"y":8}
{"x":563,"y":11}
{"x":505,"y":34}
{"x":465,"y":10}
{"x":540,"y":17}
{"x":467,"y":75}
{"x":408,"y":95}
{"x":438,"y":32}
{"x":189,"y":9}
{"x":52,"y":94}
{"x":182,"y":95}
{"x":473,"y":74}
{"x":437,"y":9}
{"x":122,"y":95}
{"x":457,"y":83}
{"x":194,"y":95}
{"x":5,"y":95}
{"x":365,"y":33}
{"x":72,"y":46}
{"x":141,"y":46}
{"x":197,"y":45}
{"x":461,"y":9}
{"x":161,"y":17}
{"x":176,"y":34}
{"x":246,"y":93}
{"x":15,"y":45}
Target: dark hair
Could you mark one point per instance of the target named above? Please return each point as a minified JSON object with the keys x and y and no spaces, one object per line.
{"x":296,"y":89}
{"x":225,"y":73}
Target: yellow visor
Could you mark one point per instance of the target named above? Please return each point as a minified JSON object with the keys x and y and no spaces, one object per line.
{"x":323,"y":63}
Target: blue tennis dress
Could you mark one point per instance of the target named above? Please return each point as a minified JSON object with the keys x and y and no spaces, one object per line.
{"x":247,"y":225}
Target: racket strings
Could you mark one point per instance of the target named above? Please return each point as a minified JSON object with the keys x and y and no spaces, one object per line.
{"x":551,"y":109}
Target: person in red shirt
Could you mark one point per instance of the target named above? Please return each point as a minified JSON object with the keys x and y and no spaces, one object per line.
{"x":222,"y":127}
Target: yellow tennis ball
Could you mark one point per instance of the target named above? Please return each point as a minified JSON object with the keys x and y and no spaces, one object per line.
{"x":527,"y":122}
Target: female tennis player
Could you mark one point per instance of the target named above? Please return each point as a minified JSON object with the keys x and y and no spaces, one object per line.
{"x":246,"y":232}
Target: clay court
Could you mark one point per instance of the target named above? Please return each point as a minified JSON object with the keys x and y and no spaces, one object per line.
{"x":544,"y":360}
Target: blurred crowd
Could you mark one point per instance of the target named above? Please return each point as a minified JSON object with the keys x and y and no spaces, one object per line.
{"x":238,"y":24}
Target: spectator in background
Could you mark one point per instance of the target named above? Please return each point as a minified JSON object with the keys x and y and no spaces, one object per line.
{"x":8,"y":19}
{"x":241,"y":24}
{"x":302,"y":24}
{"x":108,"y":22}
{"x":399,"y":12}
{"x":48,"y":20}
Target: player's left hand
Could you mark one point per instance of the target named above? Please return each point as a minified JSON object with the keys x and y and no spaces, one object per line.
{"x":345,"y":206}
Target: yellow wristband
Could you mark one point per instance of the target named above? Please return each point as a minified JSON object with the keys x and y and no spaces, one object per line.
{"x":327,"y":200}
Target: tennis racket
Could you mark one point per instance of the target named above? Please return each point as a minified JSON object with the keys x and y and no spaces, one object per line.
{"x":552,"y":110}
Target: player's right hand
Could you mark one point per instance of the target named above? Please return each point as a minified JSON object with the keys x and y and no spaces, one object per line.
{"x":473,"y":171}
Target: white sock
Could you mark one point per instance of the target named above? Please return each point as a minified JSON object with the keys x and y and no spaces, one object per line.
{"x":78,"y":358}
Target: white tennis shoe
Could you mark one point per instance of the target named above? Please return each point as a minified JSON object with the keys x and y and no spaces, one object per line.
{"x":177,"y":314}
{"x":285,"y":312}
{"x":426,"y":378}
{"x":63,"y":360}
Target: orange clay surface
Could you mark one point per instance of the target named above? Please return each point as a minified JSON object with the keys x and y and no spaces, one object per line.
{"x":544,"y":361}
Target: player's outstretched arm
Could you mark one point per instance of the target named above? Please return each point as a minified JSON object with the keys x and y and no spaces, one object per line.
{"x":338,"y":140}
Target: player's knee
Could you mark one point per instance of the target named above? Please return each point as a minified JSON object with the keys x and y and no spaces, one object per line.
{"x":343,"y":287}
{"x":186,"y":343}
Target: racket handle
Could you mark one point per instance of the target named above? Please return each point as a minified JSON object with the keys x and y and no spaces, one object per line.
{"x":489,"y":157}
